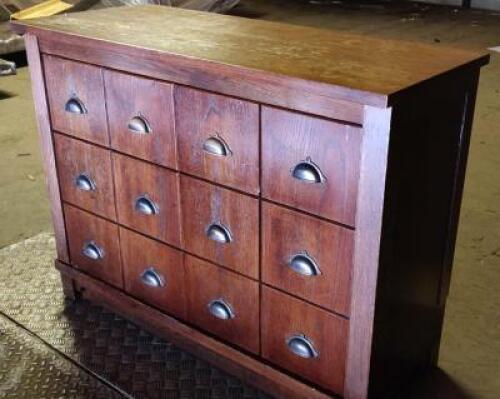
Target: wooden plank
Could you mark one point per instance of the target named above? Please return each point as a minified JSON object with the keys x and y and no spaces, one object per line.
{"x":253,"y":85}
{"x":47,"y":144}
{"x":367,"y":235}
{"x":240,"y":365}
{"x":356,"y":68}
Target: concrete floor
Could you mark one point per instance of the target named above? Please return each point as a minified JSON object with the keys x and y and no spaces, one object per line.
{"x":470,"y":352}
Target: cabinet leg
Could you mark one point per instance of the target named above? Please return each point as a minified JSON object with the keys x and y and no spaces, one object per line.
{"x":68,"y":287}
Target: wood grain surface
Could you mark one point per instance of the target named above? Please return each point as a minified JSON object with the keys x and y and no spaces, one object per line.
{"x":286,"y":233}
{"x":134,"y":179}
{"x":200,"y":116}
{"x":66,"y":80}
{"x":82,"y":228}
{"x":290,"y":138}
{"x":283,"y":317}
{"x":46,"y":144}
{"x":140,"y":253}
{"x":206,"y":282}
{"x":129,"y":96}
{"x":75,"y":157}
{"x":362,"y":67}
{"x":204,"y":204}
{"x":243,"y":366}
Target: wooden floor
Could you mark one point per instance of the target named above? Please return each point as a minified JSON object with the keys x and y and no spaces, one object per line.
{"x":470,"y":353}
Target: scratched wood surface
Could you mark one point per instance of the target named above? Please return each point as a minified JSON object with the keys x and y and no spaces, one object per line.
{"x":360,"y":63}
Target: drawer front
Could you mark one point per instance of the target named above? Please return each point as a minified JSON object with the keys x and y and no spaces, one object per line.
{"x":147,"y":198}
{"x":94,"y":245}
{"x":154,"y":272}
{"x":221,"y":225}
{"x":75,"y":93}
{"x":306,"y":340}
{"x":218,"y":138}
{"x":141,"y":117}
{"x":307,"y":257}
{"x":223,"y":303}
{"x":85,"y":176}
{"x":310,"y":163}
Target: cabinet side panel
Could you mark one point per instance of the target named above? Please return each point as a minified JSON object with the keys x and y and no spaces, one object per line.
{"x":427,"y":154}
{"x":46,"y":144}
{"x":370,"y":202}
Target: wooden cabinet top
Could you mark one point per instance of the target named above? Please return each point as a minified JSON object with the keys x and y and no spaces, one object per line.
{"x":363,"y":69}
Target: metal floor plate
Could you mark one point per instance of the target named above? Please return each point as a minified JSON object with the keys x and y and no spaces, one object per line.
{"x":128,"y":359}
{"x":31,"y":369}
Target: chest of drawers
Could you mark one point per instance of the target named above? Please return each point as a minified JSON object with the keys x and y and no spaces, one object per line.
{"x":282,"y":201}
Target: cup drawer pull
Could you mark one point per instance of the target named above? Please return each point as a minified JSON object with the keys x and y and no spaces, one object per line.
{"x":75,"y":106}
{"x":308,"y":172}
{"x":301,"y":346}
{"x":85,"y":183}
{"x":221,"y":309}
{"x":146,"y":206}
{"x":92,"y":251}
{"x":219,"y":233}
{"x":215,"y":145}
{"x":304,"y":264}
{"x":152,"y":278}
{"x":139,"y":125}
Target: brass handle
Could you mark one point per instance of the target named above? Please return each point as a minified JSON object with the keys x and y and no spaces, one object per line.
{"x":304,"y":264}
{"x":139,"y":125}
{"x":215,"y":145}
{"x":152,"y":278}
{"x":301,"y":346}
{"x":92,"y":251}
{"x":307,"y":171}
{"x":220,"y":309}
{"x":75,"y":106}
{"x":85,"y":183}
{"x":219,"y":233}
{"x":146,"y":206}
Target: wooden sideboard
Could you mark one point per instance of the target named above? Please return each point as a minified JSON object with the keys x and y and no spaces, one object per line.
{"x":282,"y":201}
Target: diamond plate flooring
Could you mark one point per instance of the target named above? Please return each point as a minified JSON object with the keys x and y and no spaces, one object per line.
{"x":31,"y":369}
{"x":71,"y":343}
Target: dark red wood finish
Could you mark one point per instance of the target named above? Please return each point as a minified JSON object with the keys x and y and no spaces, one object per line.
{"x":46,"y":145}
{"x":135,"y":179}
{"x":204,"y":204}
{"x":76,"y":158}
{"x":202,"y":116}
{"x":289,"y":138}
{"x":66,"y":80}
{"x":286,"y":233}
{"x":394,"y":175}
{"x":283,"y":317}
{"x":83,"y":228}
{"x":129,"y":97}
{"x":241,"y":365}
{"x":206,"y":283}
{"x":139,"y":254}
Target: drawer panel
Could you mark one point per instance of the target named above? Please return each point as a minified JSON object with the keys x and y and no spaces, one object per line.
{"x":75,"y":94}
{"x":141,"y":117}
{"x":221,"y":225}
{"x":310,"y":163}
{"x":154,"y":272}
{"x":147,"y":198}
{"x":94,"y":245}
{"x":223,"y":303}
{"x":218,"y":138}
{"x":307,"y":257}
{"x":85,"y":175}
{"x":317,"y":337}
